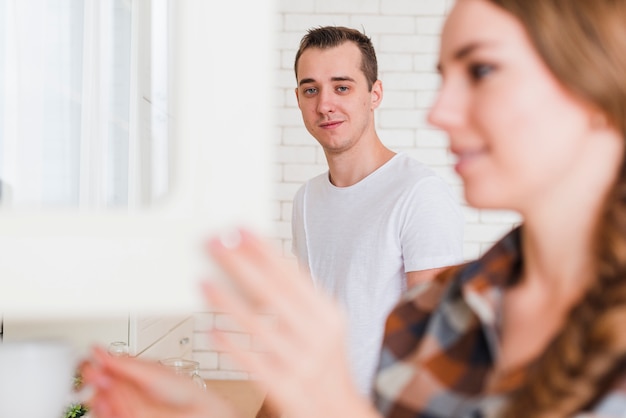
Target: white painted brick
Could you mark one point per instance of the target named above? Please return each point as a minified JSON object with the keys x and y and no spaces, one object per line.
{"x":285,"y":79}
{"x":397,"y":138}
{"x":207,"y":360}
{"x":486,"y":246}
{"x":276,"y":210}
{"x":297,"y":155}
{"x":289,"y":39}
{"x":425,"y":62}
{"x":419,"y":44}
{"x":274,"y":133}
{"x":286,"y":191}
{"x":471,"y":251}
{"x":279,"y":99}
{"x":413,"y":7}
{"x":302,"y":172}
{"x":471,"y":215}
{"x":346,"y":6}
{"x":203,"y":321}
{"x":277,"y":175}
{"x":286,"y":211}
{"x":287,"y":248}
{"x":390,"y":118}
{"x":283,"y":229}
{"x":321,"y":159}
{"x":292,"y":6}
{"x":225,"y":322}
{"x":289,"y":116}
{"x":398,"y":99}
{"x":449,"y":4}
{"x":428,"y":138}
{"x":426,"y":99}
{"x":430,"y":25}
{"x":412,"y":81}
{"x":202,"y":342}
{"x":304,"y":22}
{"x":378,"y":24}
{"x":298,"y":136}
{"x":290,"y":99}
{"x":287,"y":62}
{"x":393,"y":63}
{"x":500,"y":217}
{"x":431,"y":156}
{"x":485,"y":232}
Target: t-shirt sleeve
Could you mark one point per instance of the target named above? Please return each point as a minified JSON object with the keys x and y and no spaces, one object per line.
{"x":433,"y":224}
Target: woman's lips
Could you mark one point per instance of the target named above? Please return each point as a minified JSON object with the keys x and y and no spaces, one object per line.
{"x":465,"y":158}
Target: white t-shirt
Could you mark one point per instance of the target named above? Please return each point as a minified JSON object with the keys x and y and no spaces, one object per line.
{"x":358,"y":242}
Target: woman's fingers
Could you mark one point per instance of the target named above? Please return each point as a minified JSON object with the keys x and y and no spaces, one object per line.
{"x":135,"y":388}
{"x":307,"y":349}
{"x":267,"y":281}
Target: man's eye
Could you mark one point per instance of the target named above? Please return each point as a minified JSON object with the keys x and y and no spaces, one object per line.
{"x":480,"y":71}
{"x":342,"y":89}
{"x":310,"y":90}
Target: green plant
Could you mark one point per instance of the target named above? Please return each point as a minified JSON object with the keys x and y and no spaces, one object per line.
{"x":75,"y":411}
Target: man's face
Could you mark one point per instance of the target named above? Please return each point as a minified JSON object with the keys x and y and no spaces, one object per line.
{"x":337,"y":106}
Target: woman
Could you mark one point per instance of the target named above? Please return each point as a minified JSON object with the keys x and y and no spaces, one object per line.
{"x":533,"y":99}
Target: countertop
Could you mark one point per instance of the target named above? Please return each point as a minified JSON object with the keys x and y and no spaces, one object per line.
{"x":244,"y":395}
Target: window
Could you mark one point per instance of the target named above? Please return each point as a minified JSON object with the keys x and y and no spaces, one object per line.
{"x":84,"y":103}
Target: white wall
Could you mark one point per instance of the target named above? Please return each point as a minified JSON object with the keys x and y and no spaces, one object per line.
{"x":405,"y":36}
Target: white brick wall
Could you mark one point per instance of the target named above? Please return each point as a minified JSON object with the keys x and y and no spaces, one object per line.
{"x":405,"y":36}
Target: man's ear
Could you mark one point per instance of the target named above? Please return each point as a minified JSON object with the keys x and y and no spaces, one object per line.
{"x":377,"y":94}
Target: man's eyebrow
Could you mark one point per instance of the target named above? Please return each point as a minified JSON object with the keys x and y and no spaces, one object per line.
{"x":338,"y":78}
{"x":463,"y":52}
{"x":345,"y":78}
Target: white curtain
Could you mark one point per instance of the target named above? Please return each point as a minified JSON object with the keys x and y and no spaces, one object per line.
{"x":71,"y":103}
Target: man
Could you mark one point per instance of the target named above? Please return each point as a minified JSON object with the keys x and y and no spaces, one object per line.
{"x":377,"y":222}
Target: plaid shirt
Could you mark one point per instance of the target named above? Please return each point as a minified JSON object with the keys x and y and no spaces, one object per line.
{"x":441,"y":341}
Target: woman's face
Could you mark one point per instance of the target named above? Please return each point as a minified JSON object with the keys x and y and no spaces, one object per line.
{"x":517,"y":133}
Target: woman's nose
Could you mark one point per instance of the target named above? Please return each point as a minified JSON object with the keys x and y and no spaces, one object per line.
{"x":447,"y":110}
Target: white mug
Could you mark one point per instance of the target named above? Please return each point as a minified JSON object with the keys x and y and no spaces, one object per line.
{"x":36,"y":378}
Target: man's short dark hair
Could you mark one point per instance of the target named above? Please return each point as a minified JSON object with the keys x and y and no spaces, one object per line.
{"x":331,"y":36}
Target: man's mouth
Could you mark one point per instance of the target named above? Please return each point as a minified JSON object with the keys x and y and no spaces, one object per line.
{"x":330,"y":124}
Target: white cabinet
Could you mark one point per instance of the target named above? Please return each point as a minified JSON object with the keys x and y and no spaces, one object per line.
{"x":148,"y":336}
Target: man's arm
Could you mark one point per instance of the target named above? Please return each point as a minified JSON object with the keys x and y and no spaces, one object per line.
{"x":422,"y":276}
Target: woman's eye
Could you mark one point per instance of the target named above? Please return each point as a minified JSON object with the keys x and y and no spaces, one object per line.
{"x":480,"y":71}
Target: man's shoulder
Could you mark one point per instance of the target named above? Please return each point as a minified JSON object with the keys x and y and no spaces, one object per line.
{"x":409,"y":173}
{"x":318,"y":181}
{"x":413,"y":167}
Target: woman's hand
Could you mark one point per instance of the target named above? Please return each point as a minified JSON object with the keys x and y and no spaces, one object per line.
{"x":305,"y":365}
{"x":134,"y":388}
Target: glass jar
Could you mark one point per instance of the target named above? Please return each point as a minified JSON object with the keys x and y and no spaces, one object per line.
{"x":188,"y":368}
{"x":118,"y":349}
